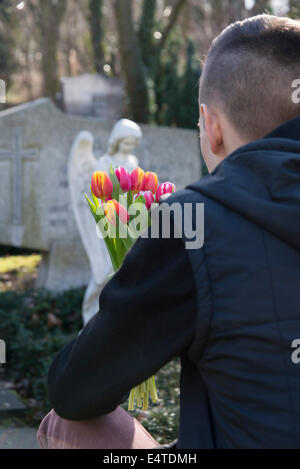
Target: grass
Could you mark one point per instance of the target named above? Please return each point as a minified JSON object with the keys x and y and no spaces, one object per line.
{"x":33,"y":341}
{"x":19,"y":263}
{"x":18,"y":272}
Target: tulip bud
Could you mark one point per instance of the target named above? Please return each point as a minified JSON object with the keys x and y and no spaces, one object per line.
{"x":111,"y":208}
{"x":150,"y":182}
{"x":165,"y":188}
{"x":148,"y":196}
{"x":124,"y":179}
{"x":137,"y":180}
{"x":102,"y":187}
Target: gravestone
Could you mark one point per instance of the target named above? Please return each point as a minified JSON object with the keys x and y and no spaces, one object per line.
{"x":35,"y":206}
{"x":93,"y":95}
{"x":14,"y":437}
{"x":2,"y":91}
{"x":10,"y":404}
{"x":17,"y":156}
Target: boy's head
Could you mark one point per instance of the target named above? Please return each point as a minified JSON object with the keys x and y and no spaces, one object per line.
{"x":246,"y":85}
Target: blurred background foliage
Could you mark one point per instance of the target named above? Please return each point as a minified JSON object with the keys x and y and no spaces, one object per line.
{"x":37,"y":324}
{"x":156,"y":46}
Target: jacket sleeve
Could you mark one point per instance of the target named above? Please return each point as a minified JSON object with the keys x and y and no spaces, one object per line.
{"x":147,"y":318}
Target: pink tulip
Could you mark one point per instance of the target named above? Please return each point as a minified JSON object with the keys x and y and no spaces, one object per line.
{"x":137,"y":180}
{"x":124,"y":179}
{"x":102,"y":187}
{"x":148,"y":196}
{"x":150,"y":182}
{"x":113,"y":207}
{"x":165,"y":188}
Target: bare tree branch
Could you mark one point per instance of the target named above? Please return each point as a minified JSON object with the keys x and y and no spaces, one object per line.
{"x":146,"y":31}
{"x":172,"y":21}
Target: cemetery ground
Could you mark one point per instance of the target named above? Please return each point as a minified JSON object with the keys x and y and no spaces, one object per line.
{"x":37,"y":324}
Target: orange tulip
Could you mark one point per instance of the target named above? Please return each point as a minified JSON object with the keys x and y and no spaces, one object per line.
{"x":113,"y":207}
{"x":102,"y":187}
{"x":137,"y":180}
{"x":150,"y":182}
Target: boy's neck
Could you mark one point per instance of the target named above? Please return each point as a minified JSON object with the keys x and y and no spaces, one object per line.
{"x":231,"y":139}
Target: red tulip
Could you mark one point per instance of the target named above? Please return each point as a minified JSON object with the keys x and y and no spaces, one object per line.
{"x":148,"y":196}
{"x":124,"y":179}
{"x":102,"y":187}
{"x":111,"y":208}
{"x":137,"y":180}
{"x":150,"y":182}
{"x":165,"y":188}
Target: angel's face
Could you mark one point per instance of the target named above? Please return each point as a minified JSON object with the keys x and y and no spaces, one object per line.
{"x":128,"y":145}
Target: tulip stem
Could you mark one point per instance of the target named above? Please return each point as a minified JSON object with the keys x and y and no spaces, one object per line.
{"x":139,"y":397}
{"x":141,"y":393}
{"x":131,"y":400}
{"x":153,"y":390}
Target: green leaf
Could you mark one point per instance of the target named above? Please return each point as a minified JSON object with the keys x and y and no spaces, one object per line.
{"x":100,"y":211}
{"x":135,"y":228}
{"x":140,"y":200}
{"x":117,"y":190}
{"x":128,"y":243}
{"x":122,"y":251}
{"x":114,"y":256}
{"x":95,"y":200}
{"x":102,"y":223}
{"x":92,"y":207}
{"x":129,"y":198}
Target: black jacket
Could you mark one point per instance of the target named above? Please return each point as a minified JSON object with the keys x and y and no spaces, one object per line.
{"x":231,"y":310}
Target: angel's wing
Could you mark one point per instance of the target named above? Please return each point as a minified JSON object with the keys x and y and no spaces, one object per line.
{"x":82,"y":164}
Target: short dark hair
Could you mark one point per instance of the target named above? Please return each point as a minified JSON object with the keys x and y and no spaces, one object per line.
{"x":249,"y":71}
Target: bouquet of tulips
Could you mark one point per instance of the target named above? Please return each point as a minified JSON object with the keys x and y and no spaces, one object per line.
{"x":121,"y":204}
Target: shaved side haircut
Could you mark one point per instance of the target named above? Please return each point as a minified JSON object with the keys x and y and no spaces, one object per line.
{"x":249,"y":73}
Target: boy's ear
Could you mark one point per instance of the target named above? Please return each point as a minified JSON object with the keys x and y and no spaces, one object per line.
{"x":212,"y":128}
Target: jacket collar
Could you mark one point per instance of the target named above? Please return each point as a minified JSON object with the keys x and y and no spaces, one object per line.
{"x":290,"y":130}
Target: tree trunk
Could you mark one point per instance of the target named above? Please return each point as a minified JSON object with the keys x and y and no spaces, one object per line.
{"x":261,"y":6}
{"x":8,"y":26}
{"x":146,"y":32}
{"x":97,"y":33}
{"x":172,"y":22}
{"x":236,"y":10}
{"x":48,"y":17}
{"x":132,"y":64}
{"x":49,"y":45}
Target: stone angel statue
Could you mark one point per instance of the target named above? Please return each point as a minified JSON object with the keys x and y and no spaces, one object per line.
{"x":124,"y":139}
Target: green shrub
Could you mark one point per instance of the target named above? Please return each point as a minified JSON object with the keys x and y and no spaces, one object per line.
{"x":33,"y":340}
{"x":35,"y":326}
{"x":176,"y":80}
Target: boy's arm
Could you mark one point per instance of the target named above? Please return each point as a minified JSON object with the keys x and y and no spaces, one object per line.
{"x":147,"y":317}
